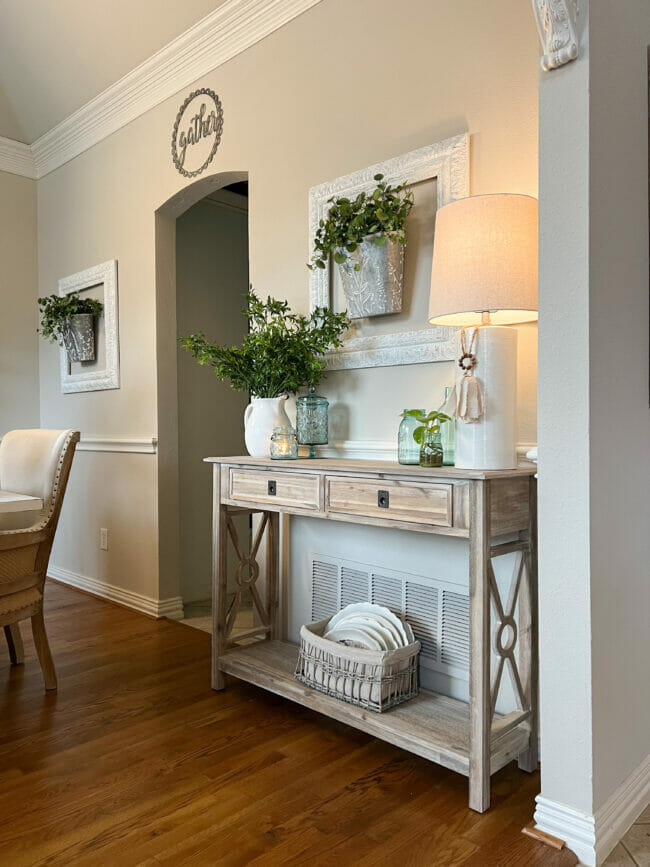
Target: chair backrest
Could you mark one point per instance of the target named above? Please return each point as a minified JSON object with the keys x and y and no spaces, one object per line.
{"x":31,"y":462}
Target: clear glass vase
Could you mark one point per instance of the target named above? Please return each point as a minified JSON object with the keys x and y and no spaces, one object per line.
{"x":431,"y":449}
{"x":408,"y":451}
{"x":311,"y":420}
{"x":448,"y":435}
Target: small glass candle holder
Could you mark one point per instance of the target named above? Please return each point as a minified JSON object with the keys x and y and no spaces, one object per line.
{"x":284,"y":444}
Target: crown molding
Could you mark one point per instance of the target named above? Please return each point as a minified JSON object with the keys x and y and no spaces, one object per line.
{"x":17,"y":158}
{"x":223,"y":34}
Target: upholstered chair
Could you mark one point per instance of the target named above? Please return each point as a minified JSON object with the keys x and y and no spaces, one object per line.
{"x":35,"y":463}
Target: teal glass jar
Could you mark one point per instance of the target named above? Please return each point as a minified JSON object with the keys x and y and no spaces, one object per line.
{"x":431,"y":449}
{"x":408,"y":451}
{"x":311,"y":420}
{"x":447,"y":435}
{"x":284,"y":444}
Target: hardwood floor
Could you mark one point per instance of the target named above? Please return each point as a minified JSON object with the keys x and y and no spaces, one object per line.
{"x":136,"y":761}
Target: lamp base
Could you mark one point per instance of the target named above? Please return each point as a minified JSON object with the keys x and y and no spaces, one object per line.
{"x":490,"y":444}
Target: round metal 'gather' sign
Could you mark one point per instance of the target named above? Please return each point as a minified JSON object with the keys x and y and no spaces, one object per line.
{"x":197,"y":132}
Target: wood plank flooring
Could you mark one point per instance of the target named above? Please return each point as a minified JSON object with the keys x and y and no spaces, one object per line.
{"x":135,"y":761}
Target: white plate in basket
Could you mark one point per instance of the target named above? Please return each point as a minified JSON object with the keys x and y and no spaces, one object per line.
{"x":377,"y":630}
{"x":369,"y":608}
{"x":378,"y":627}
{"x":353,"y":637}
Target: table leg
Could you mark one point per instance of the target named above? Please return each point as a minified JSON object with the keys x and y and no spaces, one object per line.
{"x":480,"y":709}
{"x":528,"y":661}
{"x":219,"y":579}
{"x":273,"y":575}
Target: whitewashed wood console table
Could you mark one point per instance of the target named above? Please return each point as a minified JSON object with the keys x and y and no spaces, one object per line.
{"x":475,"y":505}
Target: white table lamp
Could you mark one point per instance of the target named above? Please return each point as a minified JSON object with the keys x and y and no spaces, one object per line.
{"x":484,"y":278}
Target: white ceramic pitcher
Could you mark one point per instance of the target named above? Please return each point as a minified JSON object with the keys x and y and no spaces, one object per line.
{"x":260,"y":417}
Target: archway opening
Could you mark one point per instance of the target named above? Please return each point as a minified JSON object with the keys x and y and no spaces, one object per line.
{"x":202,"y":277}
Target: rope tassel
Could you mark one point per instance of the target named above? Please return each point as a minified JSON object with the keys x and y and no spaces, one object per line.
{"x":465,"y":401}
{"x":470,"y":404}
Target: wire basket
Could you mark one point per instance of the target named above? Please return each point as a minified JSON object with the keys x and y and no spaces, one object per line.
{"x":373,"y":679}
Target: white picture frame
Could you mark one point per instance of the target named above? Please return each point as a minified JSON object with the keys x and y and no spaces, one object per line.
{"x":98,"y":376}
{"x":448,"y":162}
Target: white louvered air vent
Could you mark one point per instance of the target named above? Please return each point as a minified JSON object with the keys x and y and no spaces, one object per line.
{"x":455,"y":629}
{"x":324,"y":589}
{"x":387,"y":592}
{"x":354,"y":586}
{"x":438,"y":614}
{"x":422,"y":613}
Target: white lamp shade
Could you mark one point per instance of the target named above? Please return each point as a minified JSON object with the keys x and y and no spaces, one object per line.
{"x":485,"y":260}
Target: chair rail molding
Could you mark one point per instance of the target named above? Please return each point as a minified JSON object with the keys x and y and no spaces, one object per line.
{"x":385,"y":450}
{"x":555,"y":24}
{"x":223,"y":34}
{"x":171,"y":607}
{"x":17,"y":158}
{"x":121,"y":444}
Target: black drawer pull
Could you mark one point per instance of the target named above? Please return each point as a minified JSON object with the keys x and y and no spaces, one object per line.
{"x":272,"y":489}
{"x":383,"y":499}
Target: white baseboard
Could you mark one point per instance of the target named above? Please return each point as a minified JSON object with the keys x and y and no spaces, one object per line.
{"x":620,"y":810}
{"x":576,"y":828}
{"x":592,"y":838}
{"x":171,"y":608}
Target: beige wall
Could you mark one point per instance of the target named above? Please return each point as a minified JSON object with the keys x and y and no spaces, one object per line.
{"x":211,"y":281}
{"x":19,"y":319}
{"x":343,"y":86}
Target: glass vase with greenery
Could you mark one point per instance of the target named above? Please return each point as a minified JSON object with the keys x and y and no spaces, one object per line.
{"x":282,"y":353}
{"x":379,"y":214}
{"x":427,"y":435}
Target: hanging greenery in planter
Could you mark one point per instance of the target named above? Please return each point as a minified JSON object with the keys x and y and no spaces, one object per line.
{"x":70,"y":321}
{"x":366,"y":236}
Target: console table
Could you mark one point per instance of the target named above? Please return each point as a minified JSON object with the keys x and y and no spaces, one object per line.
{"x":479,"y":506}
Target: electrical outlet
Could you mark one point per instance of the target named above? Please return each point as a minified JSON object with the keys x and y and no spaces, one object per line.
{"x":103,"y":539}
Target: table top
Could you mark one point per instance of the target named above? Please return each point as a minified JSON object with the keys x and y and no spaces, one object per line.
{"x":12,"y":502}
{"x":383,"y":468}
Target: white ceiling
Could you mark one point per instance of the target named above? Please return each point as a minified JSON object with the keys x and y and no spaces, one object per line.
{"x":56,"y":55}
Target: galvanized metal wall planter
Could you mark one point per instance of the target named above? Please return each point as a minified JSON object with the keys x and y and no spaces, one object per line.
{"x":98,"y":373}
{"x":448,"y":162}
{"x":375,"y":287}
{"x":79,"y":337}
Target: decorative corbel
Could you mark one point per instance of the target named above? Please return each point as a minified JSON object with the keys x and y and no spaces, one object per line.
{"x":555,"y":23}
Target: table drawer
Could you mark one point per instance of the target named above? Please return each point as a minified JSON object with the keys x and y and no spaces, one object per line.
{"x":297,"y":490}
{"x":398,"y":501}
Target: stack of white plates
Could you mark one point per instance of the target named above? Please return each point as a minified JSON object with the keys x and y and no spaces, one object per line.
{"x":370,"y":626}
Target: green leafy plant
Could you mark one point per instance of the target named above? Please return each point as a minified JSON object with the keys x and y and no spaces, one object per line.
{"x":381,"y":213}
{"x":282,"y":352}
{"x":56,"y":310}
{"x":430,"y":422}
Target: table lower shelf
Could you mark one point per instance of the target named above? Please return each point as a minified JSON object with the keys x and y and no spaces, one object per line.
{"x":433,"y":726}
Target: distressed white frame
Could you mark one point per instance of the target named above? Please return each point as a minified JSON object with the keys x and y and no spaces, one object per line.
{"x":96,"y":380}
{"x":448,"y":162}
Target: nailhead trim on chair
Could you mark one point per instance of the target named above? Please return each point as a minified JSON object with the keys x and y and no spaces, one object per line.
{"x":21,"y":599}
{"x":55,"y":488}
